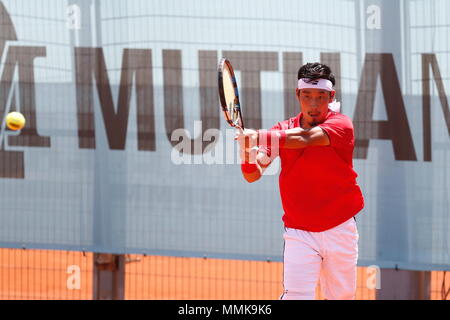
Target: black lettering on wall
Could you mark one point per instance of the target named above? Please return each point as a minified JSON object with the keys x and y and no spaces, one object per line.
{"x":292,"y":61}
{"x":23,"y":58}
{"x":429,"y":60}
{"x":209,"y":98}
{"x":396,"y":128}
{"x":11,"y":162}
{"x":7,"y":30}
{"x":173,"y":97}
{"x":136,"y":63}
{"x":250,"y":64}
{"x":333,"y":60}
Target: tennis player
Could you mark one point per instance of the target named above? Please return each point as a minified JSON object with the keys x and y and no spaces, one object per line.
{"x":319,"y":192}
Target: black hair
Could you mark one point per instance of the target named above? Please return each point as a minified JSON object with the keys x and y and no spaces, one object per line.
{"x":316,"y":70}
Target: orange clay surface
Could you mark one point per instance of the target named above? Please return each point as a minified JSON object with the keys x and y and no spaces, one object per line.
{"x":49,"y":275}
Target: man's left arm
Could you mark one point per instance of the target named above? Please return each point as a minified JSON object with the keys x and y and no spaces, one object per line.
{"x":294,"y":138}
{"x":337,"y":133}
{"x":297,"y":138}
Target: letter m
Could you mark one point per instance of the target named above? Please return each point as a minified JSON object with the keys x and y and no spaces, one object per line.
{"x":137,"y":69}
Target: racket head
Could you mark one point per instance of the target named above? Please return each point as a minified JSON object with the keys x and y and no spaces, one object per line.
{"x":229,"y":94}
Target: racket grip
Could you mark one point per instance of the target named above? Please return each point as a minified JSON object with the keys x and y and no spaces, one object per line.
{"x":267,"y":138}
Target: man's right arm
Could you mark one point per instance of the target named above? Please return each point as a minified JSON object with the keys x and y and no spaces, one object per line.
{"x":253,"y":172}
{"x":264,"y":157}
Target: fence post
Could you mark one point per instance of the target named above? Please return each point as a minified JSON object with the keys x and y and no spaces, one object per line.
{"x":404,"y":285}
{"x":109,"y":276}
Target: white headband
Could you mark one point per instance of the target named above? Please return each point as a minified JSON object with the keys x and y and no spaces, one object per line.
{"x":323,"y":84}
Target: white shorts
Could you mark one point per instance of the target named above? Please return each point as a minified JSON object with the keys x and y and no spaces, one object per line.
{"x":329,"y":256}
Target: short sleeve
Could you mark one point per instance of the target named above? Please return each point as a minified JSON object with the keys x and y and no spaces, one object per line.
{"x":340,"y":131}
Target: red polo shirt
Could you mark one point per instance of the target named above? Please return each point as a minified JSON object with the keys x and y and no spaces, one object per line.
{"x":318,"y":184}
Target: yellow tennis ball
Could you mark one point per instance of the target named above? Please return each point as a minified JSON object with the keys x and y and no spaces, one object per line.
{"x":15,"y":121}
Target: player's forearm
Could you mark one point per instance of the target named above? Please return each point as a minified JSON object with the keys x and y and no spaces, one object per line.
{"x":295,"y":139}
{"x":290,"y":139}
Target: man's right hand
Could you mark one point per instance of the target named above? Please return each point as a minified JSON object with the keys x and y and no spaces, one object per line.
{"x":247,"y":140}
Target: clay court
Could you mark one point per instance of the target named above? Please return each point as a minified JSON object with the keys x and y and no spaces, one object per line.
{"x":42,"y":274}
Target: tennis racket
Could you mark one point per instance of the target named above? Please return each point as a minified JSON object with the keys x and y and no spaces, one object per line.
{"x":229,"y":95}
